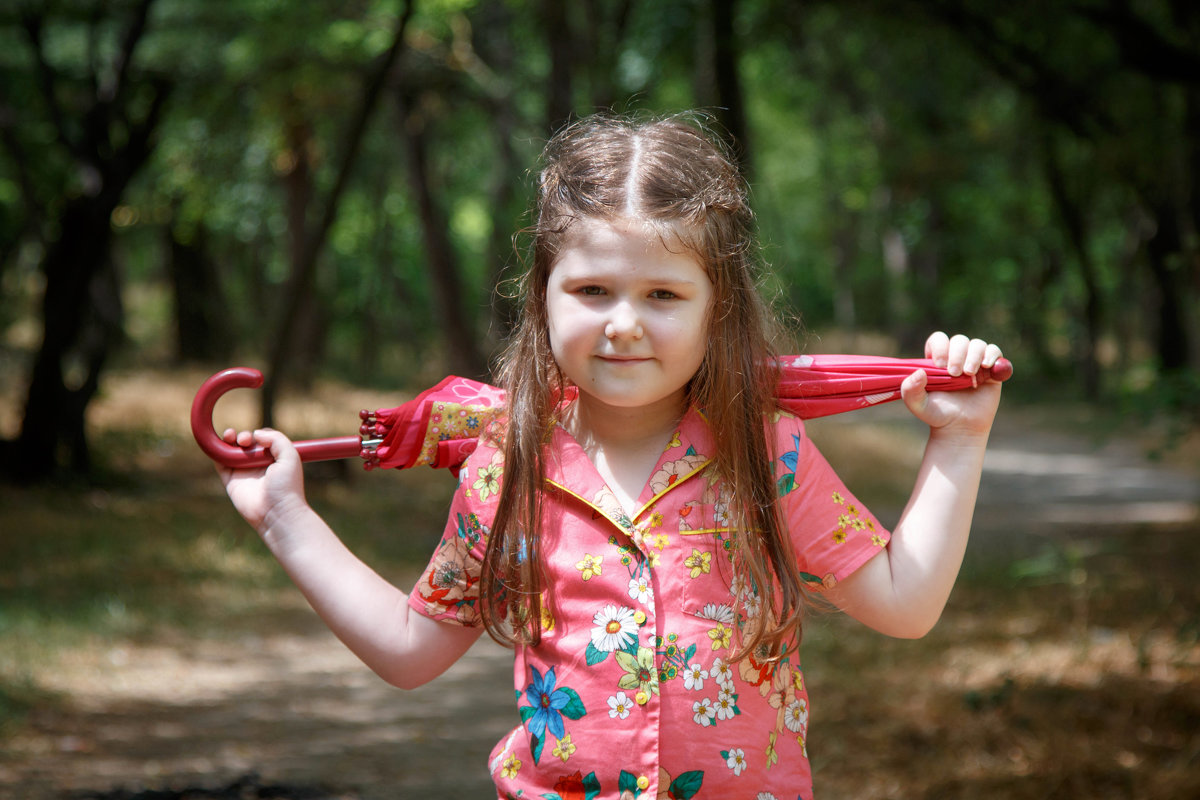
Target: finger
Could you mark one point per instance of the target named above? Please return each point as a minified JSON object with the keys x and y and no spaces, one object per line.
{"x":276,"y":443}
{"x":912,"y":392}
{"x":937,"y":346}
{"x":957,"y":354}
{"x":976,"y":349}
{"x":991,"y":355}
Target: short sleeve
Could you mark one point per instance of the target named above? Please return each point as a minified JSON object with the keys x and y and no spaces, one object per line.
{"x":833,"y":534}
{"x":448,"y":589}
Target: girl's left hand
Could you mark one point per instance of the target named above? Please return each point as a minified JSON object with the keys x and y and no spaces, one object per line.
{"x":968,"y":412}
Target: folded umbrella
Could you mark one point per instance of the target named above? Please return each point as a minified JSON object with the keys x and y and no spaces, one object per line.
{"x":440,"y":426}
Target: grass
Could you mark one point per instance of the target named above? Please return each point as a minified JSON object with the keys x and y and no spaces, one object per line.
{"x":1070,"y":669}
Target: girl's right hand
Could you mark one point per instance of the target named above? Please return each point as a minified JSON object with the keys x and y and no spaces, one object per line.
{"x":265,"y":495}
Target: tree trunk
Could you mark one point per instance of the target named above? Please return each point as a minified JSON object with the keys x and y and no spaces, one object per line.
{"x":1072,"y":217}
{"x":559,"y":102}
{"x":203,"y":325}
{"x":52,"y":430}
{"x":1174,"y":347}
{"x":464,"y":356}
{"x":81,"y":313}
{"x":304,"y":270}
{"x":731,"y":106}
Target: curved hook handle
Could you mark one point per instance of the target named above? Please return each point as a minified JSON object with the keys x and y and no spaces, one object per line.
{"x":230,"y":455}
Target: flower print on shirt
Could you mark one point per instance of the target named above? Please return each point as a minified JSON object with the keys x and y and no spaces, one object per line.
{"x":704,"y":712}
{"x":488,"y":482}
{"x":449,"y":581}
{"x":698,"y":563}
{"x":795,"y":716}
{"x":593,"y":560}
{"x":590,"y":566}
{"x":608,"y":504}
{"x":640,"y":672}
{"x":640,"y":589}
{"x":672,"y":471}
{"x":849,"y":522}
{"x":721,"y":671}
{"x":614,"y":628}
{"x":565,"y":748}
{"x":720,"y":634}
{"x":548,"y":704}
{"x":735,"y":759}
{"x":694,"y":676}
{"x":576,"y":786}
{"x":619,"y":706}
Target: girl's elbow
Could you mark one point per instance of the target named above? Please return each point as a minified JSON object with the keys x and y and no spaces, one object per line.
{"x":404,"y":678}
{"x":908,"y":626}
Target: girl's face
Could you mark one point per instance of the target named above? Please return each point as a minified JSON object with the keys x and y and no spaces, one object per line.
{"x":628,"y":318}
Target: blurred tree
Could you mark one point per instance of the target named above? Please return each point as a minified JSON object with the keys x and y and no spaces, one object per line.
{"x":914,"y":164}
{"x":1122,"y":79}
{"x":306,"y":243}
{"x":101,"y":111}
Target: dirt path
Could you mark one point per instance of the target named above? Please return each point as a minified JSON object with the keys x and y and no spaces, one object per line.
{"x":297,"y":709}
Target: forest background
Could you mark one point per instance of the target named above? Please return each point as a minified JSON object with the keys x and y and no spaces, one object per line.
{"x":333,"y":188}
{"x":330,"y":191}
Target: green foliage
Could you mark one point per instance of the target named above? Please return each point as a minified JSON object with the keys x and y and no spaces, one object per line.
{"x":899,"y":155}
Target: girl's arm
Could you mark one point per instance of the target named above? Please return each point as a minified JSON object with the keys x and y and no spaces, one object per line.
{"x":371,"y":616}
{"x":902,"y":591}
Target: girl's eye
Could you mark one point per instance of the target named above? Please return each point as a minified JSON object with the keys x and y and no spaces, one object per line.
{"x":663,"y":294}
{"x":592,"y":290}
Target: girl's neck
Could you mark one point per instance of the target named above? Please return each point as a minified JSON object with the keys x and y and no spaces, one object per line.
{"x":591,"y":422}
{"x":624,"y":445}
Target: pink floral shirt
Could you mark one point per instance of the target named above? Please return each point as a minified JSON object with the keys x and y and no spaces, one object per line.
{"x":631,"y":692}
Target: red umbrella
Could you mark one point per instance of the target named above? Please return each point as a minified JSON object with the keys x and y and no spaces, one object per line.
{"x":439,"y":427}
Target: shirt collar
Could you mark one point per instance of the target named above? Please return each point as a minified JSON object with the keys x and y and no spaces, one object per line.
{"x":569,"y":469}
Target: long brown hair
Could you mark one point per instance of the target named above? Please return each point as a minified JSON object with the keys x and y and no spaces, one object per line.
{"x":671,"y":173}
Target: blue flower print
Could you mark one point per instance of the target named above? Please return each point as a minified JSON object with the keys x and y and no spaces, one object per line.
{"x":548,"y":704}
{"x":791,"y":460}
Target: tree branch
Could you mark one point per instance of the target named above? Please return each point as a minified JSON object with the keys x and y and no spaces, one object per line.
{"x":1145,"y":48}
{"x":47,"y":82}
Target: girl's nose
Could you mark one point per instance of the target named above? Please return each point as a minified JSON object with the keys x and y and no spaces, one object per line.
{"x":623,"y":323}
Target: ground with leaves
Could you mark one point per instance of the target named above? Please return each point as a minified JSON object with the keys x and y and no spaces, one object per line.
{"x":148,"y":646}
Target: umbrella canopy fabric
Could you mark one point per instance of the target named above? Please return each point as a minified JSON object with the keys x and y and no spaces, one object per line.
{"x":440,"y":426}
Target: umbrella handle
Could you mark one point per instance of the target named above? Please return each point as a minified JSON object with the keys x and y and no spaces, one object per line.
{"x":231,"y":455}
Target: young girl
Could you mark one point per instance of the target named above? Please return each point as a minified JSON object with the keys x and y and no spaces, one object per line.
{"x":645,"y":524}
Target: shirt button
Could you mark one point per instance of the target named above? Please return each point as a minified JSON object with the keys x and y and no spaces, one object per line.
{"x":643,"y":783}
{"x":641,"y":698}
{"x":639,"y":617}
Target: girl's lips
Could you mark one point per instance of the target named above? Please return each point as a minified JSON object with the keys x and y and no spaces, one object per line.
{"x":624,"y":359}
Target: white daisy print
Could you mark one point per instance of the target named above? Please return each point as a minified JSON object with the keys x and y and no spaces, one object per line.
{"x":726,"y":705}
{"x":615,"y":628}
{"x":619,"y":706}
{"x":694,"y":676}
{"x":736,"y":760}
{"x":722,"y":672}
{"x":639,"y":589}
{"x":704,"y":712}
{"x":795,"y":716}
{"x":717,"y":613}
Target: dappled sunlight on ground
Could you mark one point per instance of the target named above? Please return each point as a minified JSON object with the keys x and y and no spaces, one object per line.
{"x":148,"y":641}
